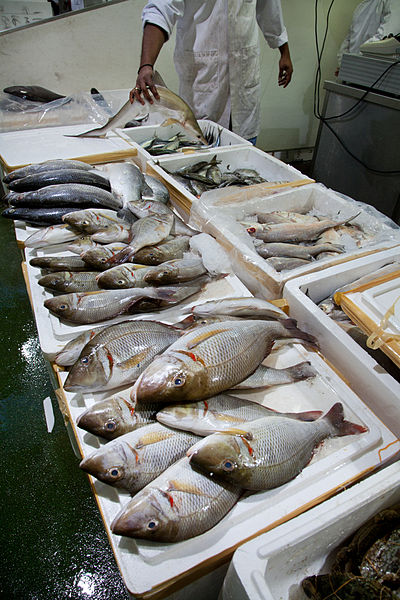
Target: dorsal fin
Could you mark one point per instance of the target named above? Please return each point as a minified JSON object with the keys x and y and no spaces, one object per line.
{"x":158,"y":80}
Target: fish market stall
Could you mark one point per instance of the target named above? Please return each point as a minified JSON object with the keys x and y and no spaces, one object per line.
{"x":277,"y":562}
{"x":352,"y":229}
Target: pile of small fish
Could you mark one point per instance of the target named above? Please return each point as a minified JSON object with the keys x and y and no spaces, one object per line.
{"x":206,"y":175}
{"x":157,"y":146}
{"x":155,"y":440}
{"x":291,"y":239}
{"x":367,"y":566}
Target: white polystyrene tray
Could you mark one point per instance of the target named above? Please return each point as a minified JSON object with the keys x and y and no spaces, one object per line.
{"x":137,"y":135}
{"x":248,"y":157}
{"x":19,"y":148}
{"x":272,"y":566}
{"x":147,"y":566}
{"x":376,"y":301}
{"x":255,"y":272}
{"x":54,"y":333}
{"x":375,"y":386}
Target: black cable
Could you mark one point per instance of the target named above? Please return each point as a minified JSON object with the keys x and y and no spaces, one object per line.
{"x":317,"y":84}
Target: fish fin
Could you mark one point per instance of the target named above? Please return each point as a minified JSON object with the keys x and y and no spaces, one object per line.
{"x":180,"y":486}
{"x":132,"y":361}
{"x":203,"y":337}
{"x":291,"y":326}
{"x":186,"y":322}
{"x":170,"y":121}
{"x":335,"y":417}
{"x":236,"y":431}
{"x":120,"y":257}
{"x":154,"y":438}
{"x":301,"y":371}
{"x":306,"y":415}
{"x":158,"y":80}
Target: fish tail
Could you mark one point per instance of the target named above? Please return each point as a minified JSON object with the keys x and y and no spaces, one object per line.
{"x":335,"y":417}
{"x":293,"y":331}
{"x":120,"y":257}
{"x":302,"y":370}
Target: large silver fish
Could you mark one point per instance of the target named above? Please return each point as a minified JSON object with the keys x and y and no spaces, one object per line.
{"x":118,"y":354}
{"x":220,"y":413}
{"x":97,"y":257}
{"x":211,"y":359}
{"x":170,"y":106}
{"x":91,"y":220}
{"x":117,"y":415}
{"x":168,"y":250}
{"x":48,"y":165}
{"x":95,"y":307}
{"x":295,"y":250}
{"x":178,"y":505}
{"x":246,"y":307}
{"x":136,"y":458}
{"x":127,"y":181}
{"x":175,"y":271}
{"x":266,"y":453}
{"x":145,"y":232}
{"x":67,"y":281}
{"x":128,"y":275}
{"x":68,"y":194}
{"x":294,"y":232}
{"x":59,"y":263}
{"x":48,"y":236}
{"x":72,"y":349}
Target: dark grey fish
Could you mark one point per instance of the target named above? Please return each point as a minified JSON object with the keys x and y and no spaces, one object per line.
{"x":35,"y":93}
{"x":39,"y":180}
{"x":38,"y":216}
{"x":66,"y":194}
{"x":48,"y":165}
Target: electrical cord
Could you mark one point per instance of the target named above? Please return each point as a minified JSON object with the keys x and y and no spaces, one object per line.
{"x":317,"y":85}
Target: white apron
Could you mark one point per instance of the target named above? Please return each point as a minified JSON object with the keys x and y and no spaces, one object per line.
{"x":217,"y":54}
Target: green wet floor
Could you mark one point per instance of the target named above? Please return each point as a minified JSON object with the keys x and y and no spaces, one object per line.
{"x":54,"y":545}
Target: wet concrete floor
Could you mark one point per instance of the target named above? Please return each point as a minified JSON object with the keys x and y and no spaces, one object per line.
{"x":54,"y":545}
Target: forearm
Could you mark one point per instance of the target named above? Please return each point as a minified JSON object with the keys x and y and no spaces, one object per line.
{"x":152,"y":42}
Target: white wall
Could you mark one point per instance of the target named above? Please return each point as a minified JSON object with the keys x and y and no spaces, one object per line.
{"x":100,"y":48}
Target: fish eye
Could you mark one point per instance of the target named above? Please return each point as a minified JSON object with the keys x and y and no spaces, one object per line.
{"x":228,"y":465}
{"x":111,"y":425}
{"x":115,"y":472}
{"x":120,"y":281}
{"x":103,"y":260}
{"x":179,"y":381}
{"x":251,"y":229}
{"x":152,"y":525}
{"x":85,"y":222}
{"x":63,"y":306}
{"x":85,"y":360}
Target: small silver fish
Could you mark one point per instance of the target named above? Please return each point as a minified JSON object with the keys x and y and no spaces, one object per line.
{"x":246,"y":307}
{"x":67,"y":281}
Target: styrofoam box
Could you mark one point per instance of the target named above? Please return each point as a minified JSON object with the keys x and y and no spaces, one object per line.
{"x":54,"y":333}
{"x":375,"y":386}
{"x":249,"y":157}
{"x":148,"y":567}
{"x":260,"y":277}
{"x":272,"y":566}
{"x":20,"y":148}
{"x":138,"y":135}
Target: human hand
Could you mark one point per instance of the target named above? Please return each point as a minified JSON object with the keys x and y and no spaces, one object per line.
{"x":285,"y":71}
{"x":145,"y":85}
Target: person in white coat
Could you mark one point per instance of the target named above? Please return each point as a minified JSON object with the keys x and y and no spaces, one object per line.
{"x":216,"y":56}
{"x":369,"y":19}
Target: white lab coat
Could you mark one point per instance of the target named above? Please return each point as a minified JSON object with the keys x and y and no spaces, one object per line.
{"x":367,"y":24}
{"x":217,"y":54}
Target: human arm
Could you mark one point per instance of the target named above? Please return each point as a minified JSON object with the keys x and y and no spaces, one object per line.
{"x":285,"y":66}
{"x":152,"y":42}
